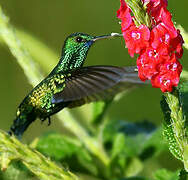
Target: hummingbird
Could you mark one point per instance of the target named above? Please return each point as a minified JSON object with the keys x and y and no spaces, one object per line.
{"x":70,"y":84}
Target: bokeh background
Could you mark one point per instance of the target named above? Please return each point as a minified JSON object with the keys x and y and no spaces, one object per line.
{"x":50,"y":22}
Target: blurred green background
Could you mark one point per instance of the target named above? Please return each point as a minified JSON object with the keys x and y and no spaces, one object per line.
{"x":50,"y":22}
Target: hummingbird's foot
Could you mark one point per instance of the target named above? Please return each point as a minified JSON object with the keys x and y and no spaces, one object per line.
{"x":10,"y":133}
{"x":49,"y":121}
{"x":42,"y":120}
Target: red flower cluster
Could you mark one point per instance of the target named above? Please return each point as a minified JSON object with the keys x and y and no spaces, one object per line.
{"x":159,"y":46}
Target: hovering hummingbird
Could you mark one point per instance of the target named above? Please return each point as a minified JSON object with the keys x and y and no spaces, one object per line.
{"x":70,"y":84}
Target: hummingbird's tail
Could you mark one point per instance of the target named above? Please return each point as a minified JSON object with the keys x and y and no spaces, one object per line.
{"x":20,"y":124}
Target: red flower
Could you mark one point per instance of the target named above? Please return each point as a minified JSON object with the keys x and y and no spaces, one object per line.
{"x":154,"y":8}
{"x":156,"y":55}
{"x":136,"y":39}
{"x":166,"y":18}
{"x":168,"y":76}
{"x":159,"y":50}
{"x":123,"y":8}
{"x":156,"y":3}
{"x":160,"y":35}
{"x":171,"y":65}
{"x":146,"y":68}
{"x":165,"y":82}
{"x":176,"y":45}
{"x":124,"y":14}
{"x":149,"y":60}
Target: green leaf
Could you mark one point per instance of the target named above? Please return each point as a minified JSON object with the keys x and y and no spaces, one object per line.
{"x":129,"y":144}
{"x":164,"y":174}
{"x":16,"y":171}
{"x":86,"y":161}
{"x":140,"y":139}
{"x":66,"y":150}
{"x":99,"y":109}
{"x":118,"y":145}
{"x":55,"y":146}
{"x":135,"y":178}
{"x":154,"y":144}
{"x":134,"y":167}
{"x":183,"y":175}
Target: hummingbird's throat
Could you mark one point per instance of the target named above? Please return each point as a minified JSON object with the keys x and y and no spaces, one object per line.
{"x":71,"y":60}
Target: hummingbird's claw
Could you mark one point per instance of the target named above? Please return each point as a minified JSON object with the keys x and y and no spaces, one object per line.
{"x":42,"y":120}
{"x":49,"y":121}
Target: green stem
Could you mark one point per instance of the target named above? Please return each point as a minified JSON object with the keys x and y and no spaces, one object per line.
{"x":24,"y":59}
{"x":177,"y":119}
{"x":34,"y":76}
{"x":42,"y":167}
{"x":178,"y":125}
{"x":41,"y":53}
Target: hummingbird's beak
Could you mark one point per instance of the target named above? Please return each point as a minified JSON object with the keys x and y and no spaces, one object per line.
{"x":107,"y":36}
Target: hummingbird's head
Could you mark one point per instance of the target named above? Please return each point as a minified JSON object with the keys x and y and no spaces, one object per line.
{"x":80,"y":40}
{"x":75,"y":49}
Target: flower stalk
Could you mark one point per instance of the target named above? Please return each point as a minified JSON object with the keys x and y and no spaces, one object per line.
{"x":177,"y":119}
{"x":151,"y":34}
{"x":176,"y":124}
{"x":141,"y":16}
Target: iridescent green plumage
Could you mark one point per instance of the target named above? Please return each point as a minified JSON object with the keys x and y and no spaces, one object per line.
{"x":70,"y":85}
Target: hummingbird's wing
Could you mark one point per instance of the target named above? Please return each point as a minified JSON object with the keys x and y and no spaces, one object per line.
{"x":96,"y":83}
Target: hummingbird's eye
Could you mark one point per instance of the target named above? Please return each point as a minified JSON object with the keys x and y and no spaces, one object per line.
{"x":79,"y":39}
